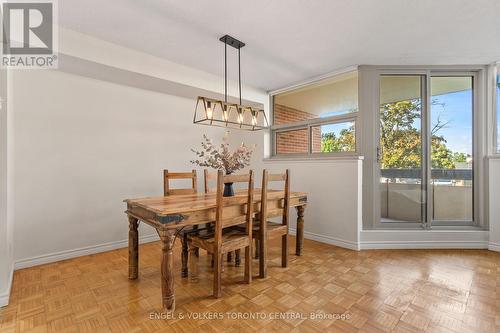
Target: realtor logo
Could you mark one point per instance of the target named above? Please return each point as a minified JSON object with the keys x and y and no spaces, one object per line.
{"x":28,"y":34}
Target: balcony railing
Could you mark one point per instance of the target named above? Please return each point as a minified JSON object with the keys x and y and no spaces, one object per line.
{"x":451,"y":194}
{"x":442,"y":174}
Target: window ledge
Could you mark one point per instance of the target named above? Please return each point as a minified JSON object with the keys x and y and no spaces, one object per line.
{"x":312,"y":158}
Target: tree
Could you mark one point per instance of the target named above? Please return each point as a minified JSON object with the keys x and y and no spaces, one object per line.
{"x":345,"y":142}
{"x":460,"y":157}
{"x":400,"y":138}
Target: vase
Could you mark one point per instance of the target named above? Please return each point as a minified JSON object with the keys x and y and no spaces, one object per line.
{"x":228,"y":189}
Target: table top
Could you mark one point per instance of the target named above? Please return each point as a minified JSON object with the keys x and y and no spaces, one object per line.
{"x":165,"y":205}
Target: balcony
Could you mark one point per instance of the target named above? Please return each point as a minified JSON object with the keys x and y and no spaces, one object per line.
{"x":400,"y":192}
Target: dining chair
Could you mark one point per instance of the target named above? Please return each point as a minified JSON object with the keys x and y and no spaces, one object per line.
{"x":263,"y":229}
{"x":208,"y":178}
{"x":168,"y":190}
{"x":168,"y":176}
{"x":225,"y":238}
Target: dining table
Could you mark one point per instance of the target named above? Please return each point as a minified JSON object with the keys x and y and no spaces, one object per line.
{"x":170,"y":214}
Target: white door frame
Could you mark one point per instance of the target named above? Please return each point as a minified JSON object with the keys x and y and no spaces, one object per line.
{"x":369,"y":101}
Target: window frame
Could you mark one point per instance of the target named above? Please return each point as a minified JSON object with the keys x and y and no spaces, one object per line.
{"x":308,"y":124}
{"x":496,"y":108}
{"x":480,"y":125}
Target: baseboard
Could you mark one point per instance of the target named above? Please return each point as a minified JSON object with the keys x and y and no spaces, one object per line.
{"x":494,"y":246}
{"x":4,"y":297}
{"x":327,"y":239}
{"x":68,"y":254}
{"x":380,"y":245}
{"x":424,"y":239}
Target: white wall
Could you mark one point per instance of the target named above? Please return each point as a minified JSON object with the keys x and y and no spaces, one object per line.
{"x":333,"y":213}
{"x":82,"y":146}
{"x":494,"y":199}
{"x":6,"y":218}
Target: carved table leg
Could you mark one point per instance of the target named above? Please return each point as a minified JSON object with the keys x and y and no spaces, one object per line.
{"x":300,"y":230}
{"x":237,"y":258}
{"x":133,"y":248}
{"x":167,"y":268}
{"x":184,"y":256}
{"x":193,"y":263}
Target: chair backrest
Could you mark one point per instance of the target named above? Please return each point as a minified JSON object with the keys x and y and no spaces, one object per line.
{"x":275,"y":211}
{"x":167,"y":176}
{"x":228,"y":212}
{"x":207,"y":178}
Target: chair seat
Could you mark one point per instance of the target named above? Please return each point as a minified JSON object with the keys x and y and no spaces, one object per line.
{"x":272,"y":228}
{"x":205,"y":229}
{"x":232,"y":240}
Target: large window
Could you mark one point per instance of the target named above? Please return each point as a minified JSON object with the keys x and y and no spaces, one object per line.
{"x":426,"y":149}
{"x":317,"y":119}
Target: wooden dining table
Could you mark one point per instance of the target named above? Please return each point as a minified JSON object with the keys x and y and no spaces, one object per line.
{"x":170,"y":214}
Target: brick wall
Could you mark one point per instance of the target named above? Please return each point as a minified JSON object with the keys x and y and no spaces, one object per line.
{"x":295,"y":141}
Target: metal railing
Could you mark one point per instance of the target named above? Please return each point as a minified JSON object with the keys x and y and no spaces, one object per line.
{"x":442,"y":174}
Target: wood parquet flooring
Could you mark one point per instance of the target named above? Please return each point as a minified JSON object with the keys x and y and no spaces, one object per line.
{"x":379,"y":290}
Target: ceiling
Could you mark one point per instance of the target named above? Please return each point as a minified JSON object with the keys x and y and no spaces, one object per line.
{"x":292,"y":40}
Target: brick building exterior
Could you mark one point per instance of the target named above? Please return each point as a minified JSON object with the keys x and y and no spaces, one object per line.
{"x":295,"y":141}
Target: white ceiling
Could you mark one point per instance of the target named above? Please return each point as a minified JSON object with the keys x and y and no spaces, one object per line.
{"x":292,"y":40}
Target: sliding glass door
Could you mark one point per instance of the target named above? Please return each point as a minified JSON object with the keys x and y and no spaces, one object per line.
{"x":399,"y":153}
{"x":451,"y":149}
{"x":425,"y":149}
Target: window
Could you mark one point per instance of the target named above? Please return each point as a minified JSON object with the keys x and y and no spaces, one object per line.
{"x":425,"y":156}
{"x":292,"y":142}
{"x":333,"y":138}
{"x":317,"y":119}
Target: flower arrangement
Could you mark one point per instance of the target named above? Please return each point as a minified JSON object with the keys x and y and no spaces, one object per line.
{"x":222,"y":158}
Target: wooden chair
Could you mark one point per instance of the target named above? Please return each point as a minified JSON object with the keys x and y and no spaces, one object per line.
{"x":226,"y":239}
{"x":167,"y":176}
{"x":209,"y":177}
{"x":167,"y":190}
{"x":267,"y":230}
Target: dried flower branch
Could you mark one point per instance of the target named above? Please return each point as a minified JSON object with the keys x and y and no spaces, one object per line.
{"x":222,"y":158}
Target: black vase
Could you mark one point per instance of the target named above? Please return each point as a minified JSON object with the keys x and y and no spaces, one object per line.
{"x":228,"y":190}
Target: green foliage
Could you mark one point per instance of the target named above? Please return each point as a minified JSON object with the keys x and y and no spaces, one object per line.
{"x":460,"y":157}
{"x":345,"y":142}
{"x":400,"y":138}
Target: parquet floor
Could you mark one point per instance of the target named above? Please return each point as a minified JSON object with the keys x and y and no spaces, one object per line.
{"x":377,"y":291}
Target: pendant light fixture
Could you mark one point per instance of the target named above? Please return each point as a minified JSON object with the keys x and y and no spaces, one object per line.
{"x":214,"y":112}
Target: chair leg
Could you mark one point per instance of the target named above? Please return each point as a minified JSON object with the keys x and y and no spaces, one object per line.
{"x":193,"y":263}
{"x":237,"y":259}
{"x":248,"y":264}
{"x":212,"y":260}
{"x":184,"y":269}
{"x":217,"y":274}
{"x":284,"y":250}
{"x":257,"y":247}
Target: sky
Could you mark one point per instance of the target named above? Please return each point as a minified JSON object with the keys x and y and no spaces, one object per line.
{"x":453,"y":108}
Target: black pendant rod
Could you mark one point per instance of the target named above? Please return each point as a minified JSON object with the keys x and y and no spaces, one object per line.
{"x":239,"y":72}
{"x":237,"y":44}
{"x":225,"y":71}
